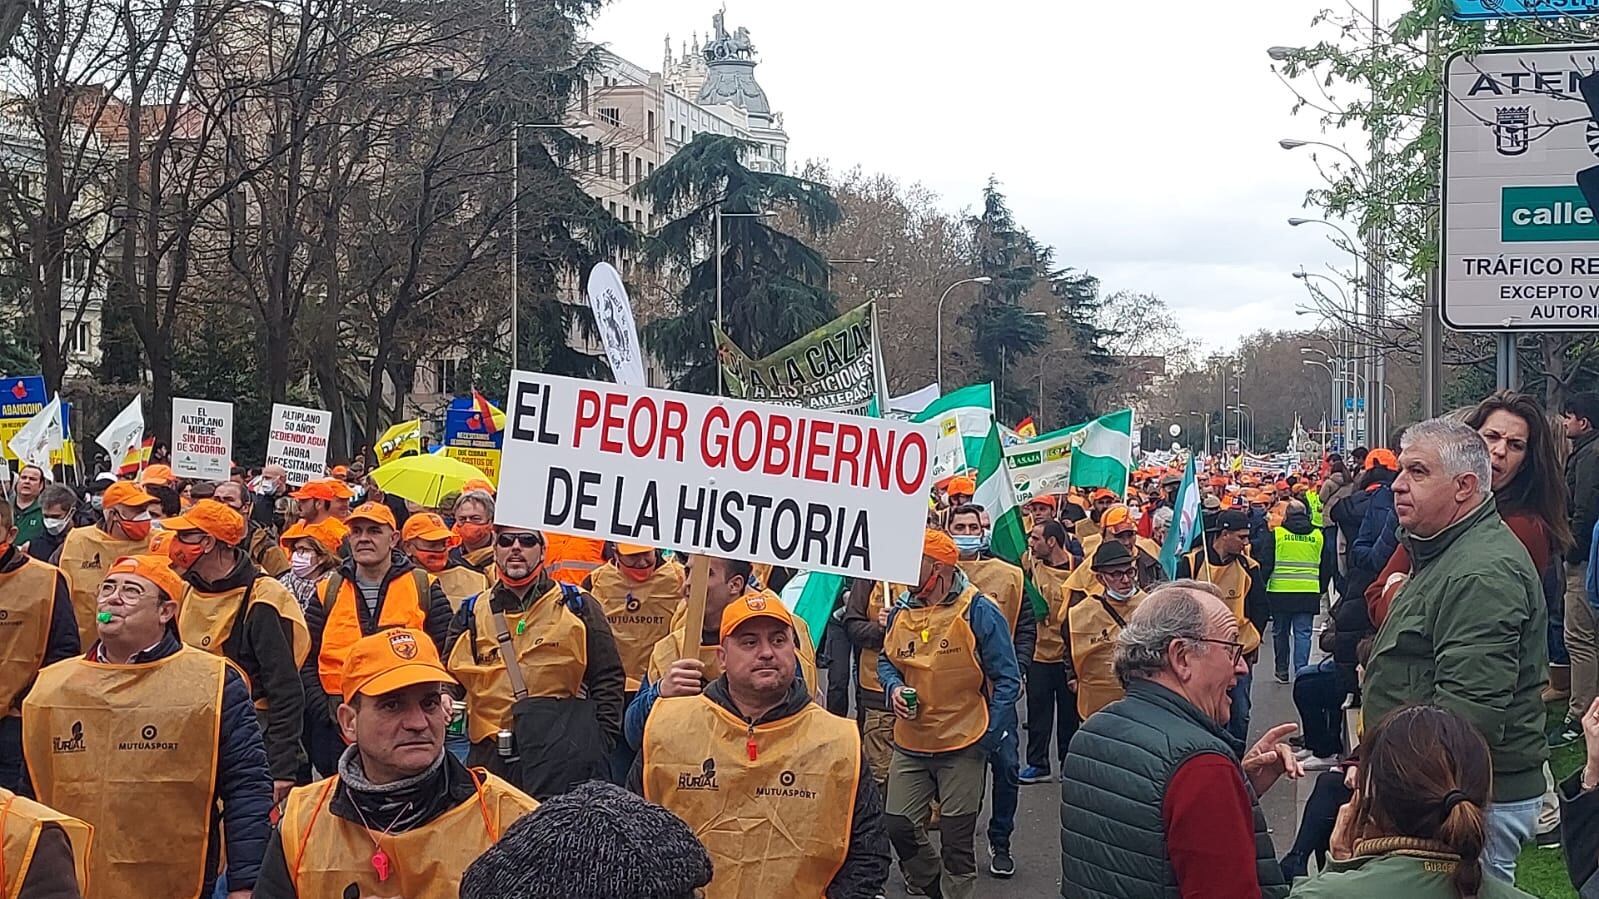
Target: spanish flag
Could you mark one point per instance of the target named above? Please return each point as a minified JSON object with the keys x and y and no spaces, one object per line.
{"x":1026,"y":429}
{"x":137,"y":458}
{"x":486,"y":411}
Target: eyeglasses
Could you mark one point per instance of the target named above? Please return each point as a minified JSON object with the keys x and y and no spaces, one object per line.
{"x":1237,"y":649}
{"x":526,"y":541}
{"x":1120,"y":574}
{"x":127,"y":590}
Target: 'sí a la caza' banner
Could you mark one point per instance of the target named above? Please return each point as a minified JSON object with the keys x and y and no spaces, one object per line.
{"x":831,"y":369}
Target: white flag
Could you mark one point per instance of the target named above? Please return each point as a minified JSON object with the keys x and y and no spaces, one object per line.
{"x":614,"y":316}
{"x":123,"y":433}
{"x":41,"y":435}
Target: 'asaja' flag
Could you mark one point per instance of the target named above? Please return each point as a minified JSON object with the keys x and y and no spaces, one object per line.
{"x":486,"y":411}
{"x":1184,"y":522}
{"x":123,"y":433}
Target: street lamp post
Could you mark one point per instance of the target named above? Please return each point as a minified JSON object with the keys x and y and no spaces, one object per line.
{"x":938,"y":328}
{"x":720,"y":386}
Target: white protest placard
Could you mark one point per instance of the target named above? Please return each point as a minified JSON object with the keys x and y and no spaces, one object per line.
{"x":202,"y":439}
{"x":298,"y":440}
{"x":815,"y":491}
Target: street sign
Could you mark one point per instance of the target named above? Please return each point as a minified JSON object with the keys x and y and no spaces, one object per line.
{"x":1478,"y":10}
{"x":1521,"y":177}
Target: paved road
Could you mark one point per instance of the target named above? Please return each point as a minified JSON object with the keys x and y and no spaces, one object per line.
{"x":1036,"y":844}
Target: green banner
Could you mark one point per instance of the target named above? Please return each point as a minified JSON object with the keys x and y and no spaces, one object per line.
{"x":830,"y":369}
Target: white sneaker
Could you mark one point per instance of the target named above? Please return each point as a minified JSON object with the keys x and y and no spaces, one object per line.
{"x":1302,"y":754}
{"x":1320,"y":763}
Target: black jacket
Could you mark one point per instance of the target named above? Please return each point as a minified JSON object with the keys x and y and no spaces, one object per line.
{"x":1287,"y":603}
{"x":1582,"y":485}
{"x":1579,"y":834}
{"x":45,"y":545}
{"x":262,"y":645}
{"x":447,"y":789}
{"x":62,"y":642}
{"x":1256,"y":608}
{"x":603,"y":677}
{"x":865,"y":867}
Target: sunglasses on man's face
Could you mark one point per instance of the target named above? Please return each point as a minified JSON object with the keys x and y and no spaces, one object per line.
{"x":526,"y":541}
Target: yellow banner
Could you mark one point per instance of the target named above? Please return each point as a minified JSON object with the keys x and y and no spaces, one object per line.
{"x":403,"y":439}
{"x":484,"y":459}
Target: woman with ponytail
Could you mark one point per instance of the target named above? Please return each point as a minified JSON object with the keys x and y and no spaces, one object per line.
{"x":1417,"y":823}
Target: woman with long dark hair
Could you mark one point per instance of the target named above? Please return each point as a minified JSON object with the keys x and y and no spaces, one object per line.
{"x":1418,"y":821}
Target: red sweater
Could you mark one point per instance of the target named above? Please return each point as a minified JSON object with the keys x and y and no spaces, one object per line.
{"x":1210,"y":830}
{"x":1527,"y":527}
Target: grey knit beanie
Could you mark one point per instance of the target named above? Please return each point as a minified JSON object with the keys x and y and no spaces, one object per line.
{"x":597,"y":842}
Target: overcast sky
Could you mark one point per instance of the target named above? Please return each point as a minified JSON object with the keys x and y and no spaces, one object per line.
{"x":1137,"y":137}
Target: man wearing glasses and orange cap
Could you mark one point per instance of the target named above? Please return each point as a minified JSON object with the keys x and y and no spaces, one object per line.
{"x":776,"y":788}
{"x":402,"y":817}
{"x":88,"y":551}
{"x":542,"y":677}
{"x":949,"y":670}
{"x":428,"y":543}
{"x":1089,"y":526}
{"x":143,"y":739}
{"x":233,"y":610}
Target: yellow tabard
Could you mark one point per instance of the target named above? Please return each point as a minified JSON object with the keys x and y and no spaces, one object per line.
{"x":27,"y":603}
{"x":115,"y":745}
{"x":1232,"y":580}
{"x":640,"y":613}
{"x":1051,"y":583}
{"x":936,"y":654}
{"x":1090,"y":544}
{"x":670,"y":649}
{"x":777,"y":826}
{"x":866,"y":674}
{"x":85,"y":555}
{"x":1094,"y":633}
{"x":552,"y":650}
{"x":1085,"y":528}
{"x":481,"y":559}
{"x":267,"y":554}
{"x":460,"y":583}
{"x":1001,"y":582}
{"x":326,"y":853}
{"x":205,"y":620}
{"x":21,"y":822}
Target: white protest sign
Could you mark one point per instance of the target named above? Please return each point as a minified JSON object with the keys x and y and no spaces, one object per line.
{"x":815,"y":491}
{"x":202,"y":439}
{"x":298,"y":440}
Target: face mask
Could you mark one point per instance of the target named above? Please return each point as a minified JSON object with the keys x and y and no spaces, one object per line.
{"x":136,"y":530}
{"x":184,"y":555}
{"x":969,"y":543}
{"x":929,"y":590}
{"x":4,"y":548}
{"x":265,"y":488}
{"x":302,"y":563}
{"x":637,"y":575}
{"x":97,"y":502}
{"x":471,"y":533}
{"x":519,"y":583}
{"x":432,"y":560}
{"x":56,"y":525}
{"x":1119,"y":595}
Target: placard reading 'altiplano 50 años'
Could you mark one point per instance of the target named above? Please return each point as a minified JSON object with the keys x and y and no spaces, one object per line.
{"x":812,"y":490}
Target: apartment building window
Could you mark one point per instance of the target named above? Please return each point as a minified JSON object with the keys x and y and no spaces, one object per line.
{"x":599,"y":150}
{"x":638,"y":169}
{"x":652,"y":170}
{"x":671,"y":129}
{"x":613,"y":164}
{"x":78,"y":339}
{"x":77,"y":267}
{"x":583,"y":95}
{"x":446,"y":375}
{"x":649,"y":117}
{"x":627,"y":165}
{"x":610,"y":115}
{"x":613,"y":209}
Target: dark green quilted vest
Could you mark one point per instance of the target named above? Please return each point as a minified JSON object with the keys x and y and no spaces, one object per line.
{"x":1112,"y":838}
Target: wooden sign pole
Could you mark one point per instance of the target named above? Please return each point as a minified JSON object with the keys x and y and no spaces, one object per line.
{"x":694,"y":613}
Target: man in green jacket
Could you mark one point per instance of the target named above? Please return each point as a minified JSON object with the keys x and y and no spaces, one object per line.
{"x":1467,"y":630}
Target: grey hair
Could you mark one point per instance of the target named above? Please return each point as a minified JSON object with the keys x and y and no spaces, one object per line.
{"x":1460,"y":449}
{"x":1172,"y":611}
{"x":481,"y":497}
{"x":1295,"y":505}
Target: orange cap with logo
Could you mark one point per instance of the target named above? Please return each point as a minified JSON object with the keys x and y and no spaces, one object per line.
{"x":390,"y":660}
{"x":754,"y":604}
{"x":153,"y":568}
{"x":940,"y":547}
{"x":376,"y":513}
{"x":126,"y":493}
{"x":1047,"y":499}
{"x":321,"y":488}
{"x":1117,"y":519}
{"x":634,"y":549}
{"x":427,"y":526}
{"x":212,"y":517}
{"x":160,"y":540}
{"x":1103,"y":493}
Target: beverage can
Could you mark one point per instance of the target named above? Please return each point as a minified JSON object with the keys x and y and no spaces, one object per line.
{"x":909,"y":695}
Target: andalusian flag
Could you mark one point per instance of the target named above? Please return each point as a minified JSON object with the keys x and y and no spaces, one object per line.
{"x":1185,"y":521}
{"x":1102,"y":452}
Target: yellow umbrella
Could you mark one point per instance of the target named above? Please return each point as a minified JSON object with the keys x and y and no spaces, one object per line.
{"x":424,"y":479}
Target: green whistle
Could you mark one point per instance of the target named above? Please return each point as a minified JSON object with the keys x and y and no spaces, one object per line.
{"x":103,"y":617}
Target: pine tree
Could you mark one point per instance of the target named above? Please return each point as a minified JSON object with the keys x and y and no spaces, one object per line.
{"x":774,"y":285}
{"x":1077,"y":309}
{"x":1003,"y":329}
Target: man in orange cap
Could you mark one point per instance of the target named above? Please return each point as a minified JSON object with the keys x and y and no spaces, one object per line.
{"x":402,"y":817}
{"x":960,"y":491}
{"x":232,"y":609}
{"x":144,"y":739}
{"x":558,"y":640}
{"x":951,"y":646}
{"x":376,"y":587}
{"x":39,"y":630}
{"x":1100,"y":500}
{"x":1039,"y":509}
{"x":1119,"y":525}
{"x":428,"y":543}
{"x":316,"y":500}
{"x":797,"y":748}
{"x":88,"y":551}
{"x":259,"y":542}
{"x":639,"y":591}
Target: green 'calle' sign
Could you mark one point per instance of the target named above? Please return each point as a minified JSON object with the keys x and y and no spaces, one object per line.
{"x":1557,"y":213}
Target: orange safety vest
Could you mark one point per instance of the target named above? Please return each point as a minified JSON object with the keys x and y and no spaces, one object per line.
{"x":132,"y":750}
{"x":1000,"y":581}
{"x":27,"y":607}
{"x":402,"y":604}
{"x":777,"y":825}
{"x":206,"y":620}
{"x":551,"y":643}
{"x":459,"y":583}
{"x":85,"y":555}
{"x":1094,"y":631}
{"x":1051,"y":583}
{"x":866,"y":666}
{"x":1233,"y":580}
{"x":640,"y":613}
{"x":571,"y":559}
{"x":327,"y":854}
{"x":21,"y":822}
{"x":935,"y":651}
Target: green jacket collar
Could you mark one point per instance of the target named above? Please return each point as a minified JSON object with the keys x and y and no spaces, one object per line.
{"x":1159,"y":695}
{"x":1426,"y":550}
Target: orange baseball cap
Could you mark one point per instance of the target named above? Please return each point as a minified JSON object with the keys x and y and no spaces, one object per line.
{"x":126,"y":493}
{"x":427,"y":526}
{"x":160,"y":540}
{"x":390,"y":660}
{"x":329,"y":533}
{"x":1383,"y":457}
{"x":754,"y":604}
{"x":157,"y":474}
{"x":321,"y":488}
{"x":340,"y":471}
{"x":1117,"y":519}
{"x":340,"y":489}
{"x":377,"y":513}
{"x":940,"y":547}
{"x":156,"y":569}
{"x":1103,"y":493}
{"x":1047,"y":499}
{"x":961,"y":484}
{"x":634,"y":549}
{"x":213,"y":518}
{"x":478,"y":484}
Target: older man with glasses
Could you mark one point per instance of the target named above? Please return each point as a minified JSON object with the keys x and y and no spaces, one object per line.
{"x":1156,"y":792}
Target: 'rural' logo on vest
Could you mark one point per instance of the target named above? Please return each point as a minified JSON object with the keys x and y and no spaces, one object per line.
{"x":908,"y":652}
{"x":73,"y":743}
{"x":705,"y":780}
{"x":786,"y":789}
{"x":1104,"y":637}
{"x":403,"y":645}
{"x":91,"y":563}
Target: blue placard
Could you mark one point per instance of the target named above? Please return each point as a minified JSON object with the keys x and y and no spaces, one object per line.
{"x":463,"y":426}
{"x":1479,"y":10}
{"x":22,"y":397}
